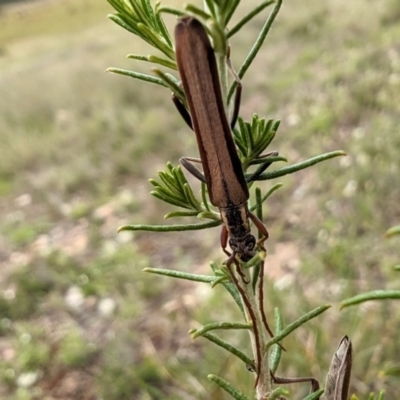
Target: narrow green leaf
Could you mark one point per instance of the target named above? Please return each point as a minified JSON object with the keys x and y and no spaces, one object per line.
{"x":170,"y":183}
{"x":162,"y":28}
{"x":190,"y":197}
{"x":227,"y":346}
{"x":137,"y":75}
{"x":139,"y":57}
{"x":277,"y":393}
{"x":235,"y":393}
{"x":240,"y":143}
{"x":315,"y":395}
{"x":209,"y":215}
{"x":249,"y":138}
{"x":272,"y":159}
{"x":123,"y":23}
{"x":228,"y":11}
{"x":171,"y":83}
{"x":168,"y":228}
{"x":275,"y":125}
{"x":154,"y":183}
{"x":248,"y":17}
{"x":137,"y":10}
{"x":393,"y":231}
{"x":231,"y":288}
{"x":170,"y":10}
{"x":276,"y":352}
{"x":179,"y":176}
{"x":148,"y":10}
{"x":268,"y":194}
{"x":257,"y":45}
{"x":374,"y":295}
{"x":263,"y":142}
{"x":294,"y":325}
{"x":197,"y":12}
{"x":180,"y":275}
{"x":381,"y":395}
{"x":210,"y":8}
{"x":299,"y":166}
{"x":204,"y":196}
{"x":178,"y":214}
{"x":393,"y":370}
{"x":156,"y":40}
{"x":219,"y":280}
{"x":117,"y":5}
{"x":171,"y":196}
{"x":168,"y":199}
{"x":163,"y":61}
{"x":218,"y":325}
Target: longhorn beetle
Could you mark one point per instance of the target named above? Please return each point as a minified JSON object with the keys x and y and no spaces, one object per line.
{"x":223,"y":173}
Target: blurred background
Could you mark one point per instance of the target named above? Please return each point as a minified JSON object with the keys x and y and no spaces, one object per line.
{"x":78,"y":318}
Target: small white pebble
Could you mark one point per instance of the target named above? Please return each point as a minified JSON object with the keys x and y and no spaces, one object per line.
{"x":106,"y":306}
{"x":74,"y":297}
{"x":27,"y":379}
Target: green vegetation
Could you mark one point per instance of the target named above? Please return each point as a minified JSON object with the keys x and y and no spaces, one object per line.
{"x":76,"y":148}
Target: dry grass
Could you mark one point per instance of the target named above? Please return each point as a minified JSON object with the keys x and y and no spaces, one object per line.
{"x":76,"y":148}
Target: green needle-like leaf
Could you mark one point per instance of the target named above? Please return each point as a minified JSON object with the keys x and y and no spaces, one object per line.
{"x":294,"y":325}
{"x":124,"y":23}
{"x":248,"y":17}
{"x":180,"y":275}
{"x":257,"y":45}
{"x":204,"y":196}
{"x":229,"y":9}
{"x":137,"y":75}
{"x":227,"y":346}
{"x":153,"y":59}
{"x":393,"y":370}
{"x":170,"y":182}
{"x":156,"y":40}
{"x":374,"y":295}
{"x":209,"y":5}
{"x":235,"y":393}
{"x":277,"y":394}
{"x":218,"y":325}
{"x":219,"y":280}
{"x":118,"y":5}
{"x":393,"y":231}
{"x":170,"y":10}
{"x":140,"y":13}
{"x":191,"y":198}
{"x":381,"y":395}
{"x":209,"y":215}
{"x":172,"y":83}
{"x":271,"y":159}
{"x":299,"y":166}
{"x":230,"y":287}
{"x":315,"y":395}
{"x":169,"y":228}
{"x":197,"y":12}
{"x":268,"y":194}
{"x":163,"y":61}
{"x":160,"y":194}
{"x":178,"y":214}
{"x":276,"y":352}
